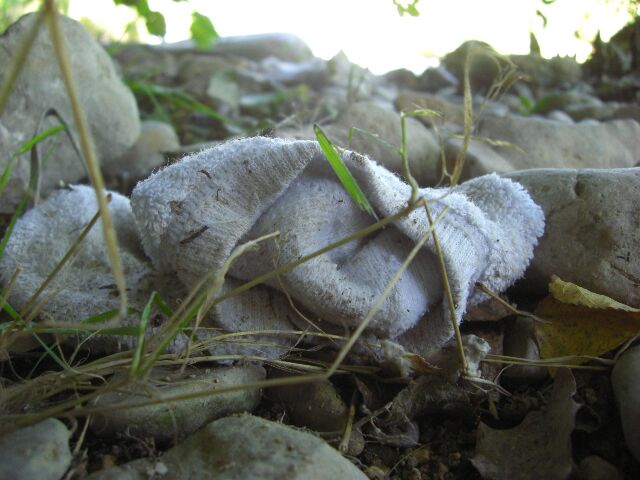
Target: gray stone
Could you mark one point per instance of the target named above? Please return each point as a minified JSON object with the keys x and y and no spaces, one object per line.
{"x":542,"y":72}
{"x":519,"y":341}
{"x":311,"y":72}
{"x":585,"y":111}
{"x":596,"y":468}
{"x":480,"y":158}
{"x":284,"y":46}
{"x":627,"y":111}
{"x":242,"y":447}
{"x":516,"y":103}
{"x":484,"y":106}
{"x":423,"y":149}
{"x":109,"y":106}
{"x":539,"y":447}
{"x":437,"y":78}
{"x":383,"y":123}
{"x":316,"y":405}
{"x":196,"y":71}
{"x":38,"y":452}
{"x":140,"y":469}
{"x":565,"y":101}
{"x":560,"y":116}
{"x":357,"y":82}
{"x":177,"y":419}
{"x":402,"y":78}
{"x":145,"y":61}
{"x":545,"y":143}
{"x":147,"y":153}
{"x":484,"y":65}
{"x":626,"y":387}
{"x":592,"y":230}
{"x":449,"y":111}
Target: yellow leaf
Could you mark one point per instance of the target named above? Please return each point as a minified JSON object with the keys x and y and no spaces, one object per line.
{"x":568,"y":292}
{"x":580,"y":330}
{"x":420,"y":365}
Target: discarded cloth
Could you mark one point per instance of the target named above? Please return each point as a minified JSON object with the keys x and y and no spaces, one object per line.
{"x":84,"y":287}
{"x":192,"y":214}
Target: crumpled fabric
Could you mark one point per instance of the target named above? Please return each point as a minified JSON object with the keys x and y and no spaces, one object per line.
{"x":85,"y":287}
{"x":185,"y":221}
{"x":192,"y":214}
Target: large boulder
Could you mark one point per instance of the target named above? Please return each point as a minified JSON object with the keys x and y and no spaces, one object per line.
{"x":109,"y":106}
{"x":284,"y":46}
{"x":244,"y":447}
{"x":506,"y":143}
{"x":591,"y":236}
{"x":624,"y":380}
{"x":376,"y":131}
{"x":38,"y":452}
{"x":543,"y":143}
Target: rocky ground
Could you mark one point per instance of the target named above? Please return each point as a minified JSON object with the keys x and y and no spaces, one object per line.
{"x":568,"y":133}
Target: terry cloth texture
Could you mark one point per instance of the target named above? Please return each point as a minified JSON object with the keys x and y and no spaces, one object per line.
{"x":85,"y":286}
{"x":192,"y":214}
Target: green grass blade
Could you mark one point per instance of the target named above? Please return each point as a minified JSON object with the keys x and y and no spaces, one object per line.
{"x":14,"y":218}
{"x":142,"y":327}
{"x":343,"y":173}
{"x":15,"y":316}
{"x":109,"y":331}
{"x":104,"y":316}
{"x":38,"y":138}
{"x":373,"y":136}
{"x":162,"y":305}
{"x":179,"y":98}
{"x":6,"y":173}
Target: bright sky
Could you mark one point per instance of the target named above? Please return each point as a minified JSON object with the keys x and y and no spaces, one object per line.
{"x":373,"y":35}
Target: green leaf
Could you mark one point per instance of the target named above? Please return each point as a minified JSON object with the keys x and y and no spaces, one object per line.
{"x":527,"y":104}
{"x":155,"y":23}
{"x":109,"y":331}
{"x":343,"y":173}
{"x":128,"y":3}
{"x":202,"y":31}
{"x":142,"y":328}
{"x":104,"y":316}
{"x":142,"y":6}
{"x":182,"y":100}
{"x":28,"y":145}
{"x":411,"y":8}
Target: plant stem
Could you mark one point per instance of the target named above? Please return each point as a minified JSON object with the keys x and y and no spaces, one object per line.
{"x":93,"y":168}
{"x":18,"y":62}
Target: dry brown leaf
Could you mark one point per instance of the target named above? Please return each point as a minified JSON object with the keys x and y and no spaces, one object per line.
{"x":540,"y":447}
{"x":582,"y":322}
{"x":568,"y":292}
